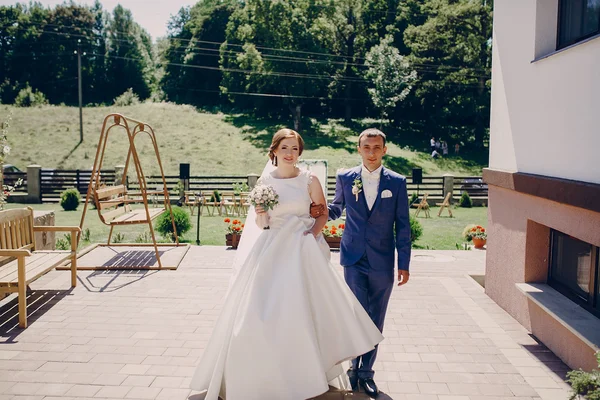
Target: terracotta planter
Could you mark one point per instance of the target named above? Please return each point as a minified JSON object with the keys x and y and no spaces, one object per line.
{"x":479,"y":243}
{"x":232,"y":240}
{"x":333,"y":242}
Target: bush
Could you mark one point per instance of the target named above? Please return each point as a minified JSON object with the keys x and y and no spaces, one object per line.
{"x":465,"y":200}
{"x":216,"y":196}
{"x":28,"y":97}
{"x":413,"y":198}
{"x":63,"y":243}
{"x":128,"y":98}
{"x":182,"y":223}
{"x":240,"y":187}
{"x":416,"y":229}
{"x":69,"y":199}
{"x":585,"y":383}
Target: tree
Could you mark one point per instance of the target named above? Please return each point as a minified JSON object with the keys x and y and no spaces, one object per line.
{"x":130,"y":59}
{"x":66,"y":25}
{"x":20,"y":48}
{"x":453,"y":49}
{"x":195,"y":35}
{"x":390,"y":74}
{"x":273,"y":48}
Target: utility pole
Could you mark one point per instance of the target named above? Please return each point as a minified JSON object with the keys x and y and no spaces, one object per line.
{"x":80,"y":90}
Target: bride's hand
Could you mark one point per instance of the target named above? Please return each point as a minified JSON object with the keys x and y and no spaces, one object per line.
{"x":309,"y":232}
{"x":259,"y":210}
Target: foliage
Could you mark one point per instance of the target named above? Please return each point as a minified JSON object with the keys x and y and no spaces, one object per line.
{"x":63,"y":243}
{"x":7,"y":190}
{"x":252,"y":62}
{"x":86,"y":235}
{"x":128,"y":98}
{"x":474,"y":231}
{"x":193,"y":37}
{"x":234,"y":227}
{"x":30,"y":98}
{"x":130,"y":54}
{"x":118,"y":53}
{"x":413,"y":198}
{"x":119,"y":237}
{"x":334,"y":230}
{"x":452,"y":41}
{"x":463,"y":246}
{"x":289,"y":58}
{"x":215,"y":197}
{"x":4,"y":151}
{"x":69,"y":199}
{"x":4,"y":145}
{"x":239,"y":187}
{"x":465,"y":200}
{"x":182,"y":223}
{"x":416,"y":229}
{"x":143,"y":237}
{"x":390,"y":75}
{"x":585,"y":383}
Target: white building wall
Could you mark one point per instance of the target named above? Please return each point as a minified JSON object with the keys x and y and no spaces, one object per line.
{"x":545,"y":114}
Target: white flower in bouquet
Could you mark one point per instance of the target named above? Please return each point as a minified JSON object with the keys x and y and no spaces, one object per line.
{"x":6,"y":150}
{"x":264,"y":196}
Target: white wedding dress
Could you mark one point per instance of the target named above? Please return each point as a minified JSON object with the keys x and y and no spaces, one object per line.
{"x":289,"y":318}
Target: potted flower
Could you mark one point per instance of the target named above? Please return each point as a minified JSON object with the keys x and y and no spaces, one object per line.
{"x":333,"y":235}
{"x":234,"y":232}
{"x":476,"y":234}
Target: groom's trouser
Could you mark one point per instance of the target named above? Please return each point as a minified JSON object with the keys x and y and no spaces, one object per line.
{"x":373,"y":289}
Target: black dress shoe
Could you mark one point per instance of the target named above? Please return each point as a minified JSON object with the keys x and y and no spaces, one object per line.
{"x":369,"y":387}
{"x":353,"y":378}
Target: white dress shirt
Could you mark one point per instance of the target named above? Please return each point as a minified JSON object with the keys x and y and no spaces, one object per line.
{"x":370,"y":181}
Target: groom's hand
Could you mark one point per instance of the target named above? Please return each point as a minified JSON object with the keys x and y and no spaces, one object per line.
{"x":402,"y":277}
{"x":316,"y":210}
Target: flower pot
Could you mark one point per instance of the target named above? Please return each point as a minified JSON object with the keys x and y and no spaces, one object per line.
{"x":232,"y":240}
{"x":479,"y":243}
{"x":333,"y":241}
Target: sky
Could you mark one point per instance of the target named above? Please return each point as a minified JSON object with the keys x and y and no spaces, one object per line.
{"x":152,"y":15}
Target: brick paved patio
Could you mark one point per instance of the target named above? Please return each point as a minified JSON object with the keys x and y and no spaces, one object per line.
{"x":138,"y":335}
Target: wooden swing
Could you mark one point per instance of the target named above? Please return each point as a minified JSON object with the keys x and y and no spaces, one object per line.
{"x":114,"y":202}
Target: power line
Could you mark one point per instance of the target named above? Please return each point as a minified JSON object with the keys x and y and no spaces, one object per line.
{"x":268,"y":73}
{"x":424,"y":65}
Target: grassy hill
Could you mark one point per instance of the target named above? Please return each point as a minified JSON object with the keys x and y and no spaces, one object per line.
{"x":213,"y":143}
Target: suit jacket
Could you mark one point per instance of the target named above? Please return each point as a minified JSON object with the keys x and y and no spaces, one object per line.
{"x":378,"y":232}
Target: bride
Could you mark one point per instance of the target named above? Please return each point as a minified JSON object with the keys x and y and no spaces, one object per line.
{"x":289,"y":319}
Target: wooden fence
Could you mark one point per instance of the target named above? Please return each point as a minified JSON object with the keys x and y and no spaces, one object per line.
{"x":54,"y":182}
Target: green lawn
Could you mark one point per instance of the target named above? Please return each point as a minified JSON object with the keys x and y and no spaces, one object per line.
{"x":213,"y":143}
{"x":443,"y":233}
{"x":439,"y":233}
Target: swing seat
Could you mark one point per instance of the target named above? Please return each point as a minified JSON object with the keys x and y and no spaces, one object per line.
{"x":114,"y":207}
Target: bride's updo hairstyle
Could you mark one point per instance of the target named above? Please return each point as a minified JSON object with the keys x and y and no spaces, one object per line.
{"x":278,"y":138}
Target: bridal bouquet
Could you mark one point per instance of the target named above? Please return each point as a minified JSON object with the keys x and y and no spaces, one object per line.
{"x":265,"y":197}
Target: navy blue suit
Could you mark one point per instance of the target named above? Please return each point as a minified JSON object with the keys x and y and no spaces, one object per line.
{"x":369,"y":243}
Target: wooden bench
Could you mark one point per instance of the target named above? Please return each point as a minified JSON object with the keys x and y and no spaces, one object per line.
{"x":20,"y":263}
{"x":114,"y":208}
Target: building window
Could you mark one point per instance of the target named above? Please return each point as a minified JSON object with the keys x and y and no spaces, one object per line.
{"x":577,"y":20}
{"x":574,"y":270}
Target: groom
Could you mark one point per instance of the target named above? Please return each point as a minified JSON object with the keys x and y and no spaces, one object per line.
{"x":377,"y":224}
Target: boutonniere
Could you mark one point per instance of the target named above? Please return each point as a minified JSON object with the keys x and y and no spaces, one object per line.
{"x":357,"y":187}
